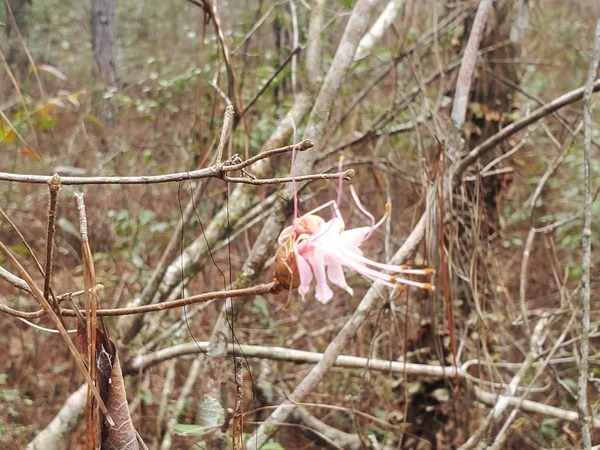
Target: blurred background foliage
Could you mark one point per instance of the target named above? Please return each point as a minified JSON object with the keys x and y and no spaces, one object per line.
{"x":164,"y":116}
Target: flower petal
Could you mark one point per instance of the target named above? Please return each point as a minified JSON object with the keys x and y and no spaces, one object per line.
{"x":305,"y":274}
{"x":323,"y":292}
{"x":356,"y":236}
{"x":335,"y":273}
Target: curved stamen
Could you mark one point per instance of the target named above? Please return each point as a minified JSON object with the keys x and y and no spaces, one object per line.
{"x":361,"y":207}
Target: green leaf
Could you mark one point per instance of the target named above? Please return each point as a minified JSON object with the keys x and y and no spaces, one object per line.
{"x":146,"y":396}
{"x":20,"y":250}
{"x":47,"y":123}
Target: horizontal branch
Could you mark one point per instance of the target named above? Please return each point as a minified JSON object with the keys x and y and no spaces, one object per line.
{"x":40,"y":312}
{"x":269,"y":288}
{"x":490,"y":399}
{"x":215,"y":171}
{"x":296,"y":356}
{"x":346,"y":175}
{"x":505,"y":133}
{"x":301,"y":356}
{"x":200,"y":298}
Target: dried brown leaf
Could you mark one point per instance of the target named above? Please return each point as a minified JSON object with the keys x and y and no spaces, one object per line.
{"x":121,"y":435}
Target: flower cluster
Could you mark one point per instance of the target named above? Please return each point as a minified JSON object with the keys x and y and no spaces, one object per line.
{"x":312,"y":248}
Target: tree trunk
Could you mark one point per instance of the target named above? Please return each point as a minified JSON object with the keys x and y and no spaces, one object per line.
{"x":104,"y":37}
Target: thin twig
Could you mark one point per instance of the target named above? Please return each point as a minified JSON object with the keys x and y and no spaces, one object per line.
{"x":54,"y":191}
{"x":210,"y":8}
{"x":524,"y":122}
{"x":270,"y":80}
{"x":489,"y":398}
{"x":91,"y":319}
{"x":39,"y":296}
{"x":200,"y":298}
{"x":296,"y":356}
{"x":524,"y":278}
{"x":17,"y":282}
{"x":40,"y":312}
{"x":582,"y":404}
{"x":24,"y":241}
{"x":345,"y":175}
{"x":238,"y":414}
{"x":225,"y":132}
{"x":209,"y":172}
{"x":269,"y":288}
{"x":182,"y":400}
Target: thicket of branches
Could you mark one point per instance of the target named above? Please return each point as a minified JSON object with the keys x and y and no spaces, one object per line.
{"x":459,"y":118}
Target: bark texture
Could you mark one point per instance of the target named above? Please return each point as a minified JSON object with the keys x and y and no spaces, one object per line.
{"x":104,"y":37}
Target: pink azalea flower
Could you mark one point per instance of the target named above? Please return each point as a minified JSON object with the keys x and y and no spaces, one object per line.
{"x":315,"y":249}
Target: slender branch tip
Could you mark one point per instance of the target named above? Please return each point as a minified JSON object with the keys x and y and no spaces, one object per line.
{"x":305,"y":145}
{"x":54,"y":181}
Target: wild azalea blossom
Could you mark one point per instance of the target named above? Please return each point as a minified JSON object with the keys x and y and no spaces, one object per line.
{"x":314,"y":249}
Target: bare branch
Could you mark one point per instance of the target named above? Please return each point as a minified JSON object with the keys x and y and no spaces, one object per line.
{"x":515,"y":127}
{"x":217,"y":171}
{"x":200,"y":298}
{"x":467,"y":67}
{"x":582,"y":403}
{"x":225,"y":132}
{"x":418,"y":370}
{"x":14,"y":280}
{"x":381,"y":25}
{"x":54,"y":190}
{"x":346,"y":175}
{"x":242,"y":200}
{"x":490,"y":398}
{"x":39,"y":296}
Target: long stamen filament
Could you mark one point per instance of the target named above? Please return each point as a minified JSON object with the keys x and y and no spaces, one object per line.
{"x":293,"y":170}
{"x":361,"y":207}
